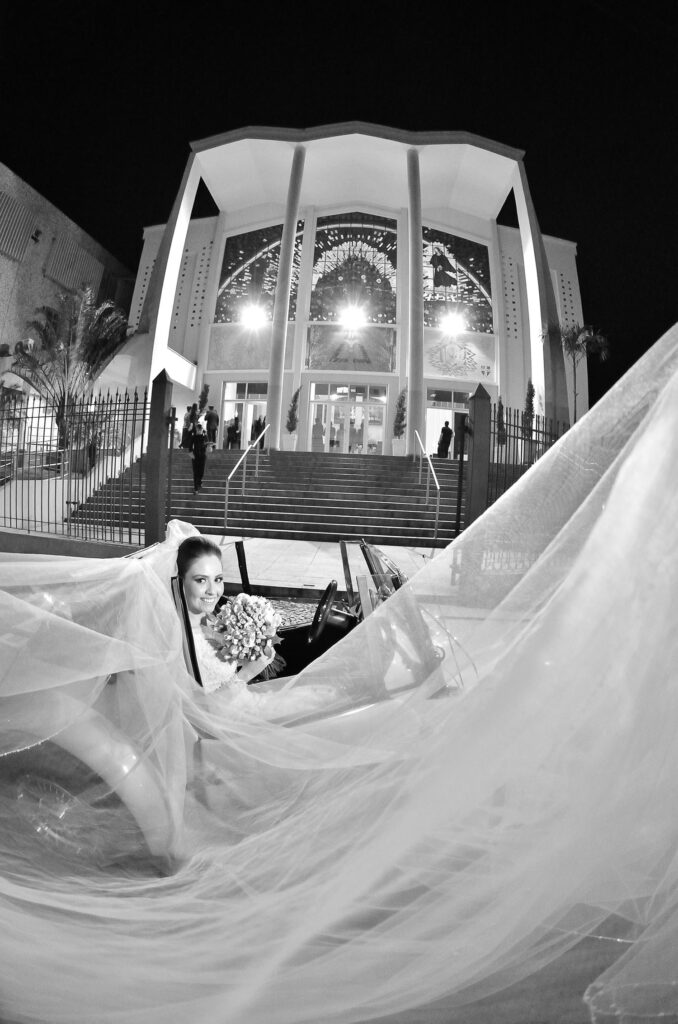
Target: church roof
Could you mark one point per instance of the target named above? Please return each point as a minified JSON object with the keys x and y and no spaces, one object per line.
{"x":354,"y":164}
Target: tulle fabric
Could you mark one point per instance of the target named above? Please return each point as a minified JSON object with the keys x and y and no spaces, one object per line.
{"x":490,"y":775}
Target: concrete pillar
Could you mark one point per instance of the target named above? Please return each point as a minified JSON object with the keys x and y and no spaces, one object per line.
{"x":299,"y":353}
{"x":156,"y":315}
{"x":548,"y":364}
{"x":478,"y":454}
{"x":211,"y":288}
{"x":157,"y":460}
{"x":281,"y":304}
{"x":416,"y":404}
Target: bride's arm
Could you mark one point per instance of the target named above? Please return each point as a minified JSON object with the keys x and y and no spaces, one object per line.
{"x":252,"y":668}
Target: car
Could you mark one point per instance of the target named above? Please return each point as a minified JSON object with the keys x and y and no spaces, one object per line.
{"x":334,"y":616}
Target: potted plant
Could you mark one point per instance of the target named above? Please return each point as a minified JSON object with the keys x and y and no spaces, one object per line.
{"x":527,"y":422}
{"x":399,"y":424}
{"x":500,"y":438}
{"x":202,"y":398}
{"x":289,"y":439}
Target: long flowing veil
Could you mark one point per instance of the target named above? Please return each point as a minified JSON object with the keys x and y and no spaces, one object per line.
{"x":491,"y":777}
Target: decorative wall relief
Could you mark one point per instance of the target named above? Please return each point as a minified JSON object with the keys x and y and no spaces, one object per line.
{"x":370,"y":349}
{"x":467,"y":357}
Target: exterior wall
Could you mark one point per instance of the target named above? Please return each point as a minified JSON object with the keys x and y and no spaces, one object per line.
{"x":561,"y":255}
{"x":42,"y":253}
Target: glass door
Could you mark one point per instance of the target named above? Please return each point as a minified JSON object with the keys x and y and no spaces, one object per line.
{"x":243,"y":413}
{"x":374,"y":429}
{"x":254,"y":421}
{"x":348,"y":419}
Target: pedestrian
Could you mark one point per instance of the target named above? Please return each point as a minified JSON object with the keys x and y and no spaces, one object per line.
{"x":193,"y":418}
{"x":199,"y":456}
{"x":236,"y":432}
{"x":212,"y":422}
{"x":444,"y":440}
{"x":186,"y":430}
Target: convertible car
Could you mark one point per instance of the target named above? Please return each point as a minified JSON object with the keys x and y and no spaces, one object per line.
{"x":370,"y":577}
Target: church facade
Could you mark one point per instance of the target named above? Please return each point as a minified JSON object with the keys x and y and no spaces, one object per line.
{"x":346,"y":265}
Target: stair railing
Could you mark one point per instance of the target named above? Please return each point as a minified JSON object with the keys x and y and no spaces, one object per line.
{"x":243,"y":461}
{"x":430,"y":472}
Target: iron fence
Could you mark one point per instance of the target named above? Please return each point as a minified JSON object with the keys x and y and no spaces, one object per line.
{"x":76,"y":469}
{"x":515,"y":444}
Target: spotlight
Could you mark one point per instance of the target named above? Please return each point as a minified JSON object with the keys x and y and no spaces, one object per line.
{"x":452,"y":324}
{"x":253,"y":317}
{"x":352,"y":318}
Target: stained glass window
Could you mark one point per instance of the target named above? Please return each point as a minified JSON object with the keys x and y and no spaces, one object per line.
{"x":354,"y":264}
{"x":456,"y":281}
{"x":250,"y":271}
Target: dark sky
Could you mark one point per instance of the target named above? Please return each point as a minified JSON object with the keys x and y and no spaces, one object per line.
{"x":100,"y":103}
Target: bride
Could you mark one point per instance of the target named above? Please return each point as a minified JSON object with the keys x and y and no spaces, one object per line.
{"x":490,"y":782}
{"x":200,"y":570}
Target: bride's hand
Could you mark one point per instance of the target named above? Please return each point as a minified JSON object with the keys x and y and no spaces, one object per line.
{"x":252,"y":668}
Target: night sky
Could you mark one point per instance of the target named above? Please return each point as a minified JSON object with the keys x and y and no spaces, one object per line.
{"x":100,"y":103}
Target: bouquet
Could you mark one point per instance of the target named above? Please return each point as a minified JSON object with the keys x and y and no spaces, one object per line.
{"x":245,"y":629}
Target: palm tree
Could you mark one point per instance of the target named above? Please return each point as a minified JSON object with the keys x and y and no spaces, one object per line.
{"x":579,"y":342}
{"x":68,"y":347}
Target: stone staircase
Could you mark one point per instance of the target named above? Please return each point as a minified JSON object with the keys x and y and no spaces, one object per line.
{"x":301,"y":496}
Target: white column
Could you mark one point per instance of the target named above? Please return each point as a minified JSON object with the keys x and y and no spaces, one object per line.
{"x":300,"y":331}
{"x":281,"y":302}
{"x":156,"y":315}
{"x":211,"y":288}
{"x":546,"y":356}
{"x":503,"y":370}
{"x":416,"y":404}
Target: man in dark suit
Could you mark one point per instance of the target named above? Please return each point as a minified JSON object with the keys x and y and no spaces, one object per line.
{"x":444,"y":440}
{"x":212,"y":422}
{"x":199,"y":456}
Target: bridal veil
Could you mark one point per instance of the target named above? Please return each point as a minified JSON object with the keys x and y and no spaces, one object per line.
{"x":492,"y":778}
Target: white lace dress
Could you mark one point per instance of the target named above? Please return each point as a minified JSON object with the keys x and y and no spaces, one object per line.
{"x":216,"y":673}
{"x":273,"y":699}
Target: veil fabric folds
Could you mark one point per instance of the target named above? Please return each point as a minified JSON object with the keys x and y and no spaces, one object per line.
{"x":490,"y":778}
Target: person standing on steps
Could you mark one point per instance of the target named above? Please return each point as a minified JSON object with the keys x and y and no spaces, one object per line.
{"x":193,"y":417}
{"x":212,"y":422}
{"x":233,"y":433}
{"x":199,"y":456}
{"x":444,"y":440}
{"x":186,"y":430}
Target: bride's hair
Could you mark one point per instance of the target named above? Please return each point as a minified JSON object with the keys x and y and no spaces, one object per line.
{"x":192,"y":548}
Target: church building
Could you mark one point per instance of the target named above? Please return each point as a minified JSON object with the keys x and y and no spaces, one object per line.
{"x":347,"y":264}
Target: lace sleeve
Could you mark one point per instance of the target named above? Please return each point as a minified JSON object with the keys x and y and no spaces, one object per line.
{"x":215,"y":672}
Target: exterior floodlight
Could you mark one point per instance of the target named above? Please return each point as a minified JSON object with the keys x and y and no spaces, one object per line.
{"x":453,"y":323}
{"x":352,"y":318}
{"x":253,"y":318}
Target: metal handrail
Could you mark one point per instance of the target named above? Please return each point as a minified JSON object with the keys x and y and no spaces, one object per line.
{"x":430,"y":473}
{"x":243,"y":460}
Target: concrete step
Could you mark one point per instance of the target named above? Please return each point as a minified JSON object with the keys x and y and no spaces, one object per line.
{"x":296,"y":495}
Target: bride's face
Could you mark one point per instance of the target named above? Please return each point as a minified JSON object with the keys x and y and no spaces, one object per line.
{"x":203,"y":584}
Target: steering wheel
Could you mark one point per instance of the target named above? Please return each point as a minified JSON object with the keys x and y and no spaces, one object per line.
{"x":322,"y":613}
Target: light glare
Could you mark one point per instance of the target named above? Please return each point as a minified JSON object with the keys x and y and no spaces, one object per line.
{"x":352,"y":317}
{"x":453,"y":323}
{"x":253,"y":317}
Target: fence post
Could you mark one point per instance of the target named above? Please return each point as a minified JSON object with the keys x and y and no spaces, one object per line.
{"x":157,"y":459}
{"x":478,"y":454}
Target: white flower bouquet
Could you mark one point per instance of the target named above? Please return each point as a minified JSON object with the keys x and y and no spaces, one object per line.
{"x":245,"y":629}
